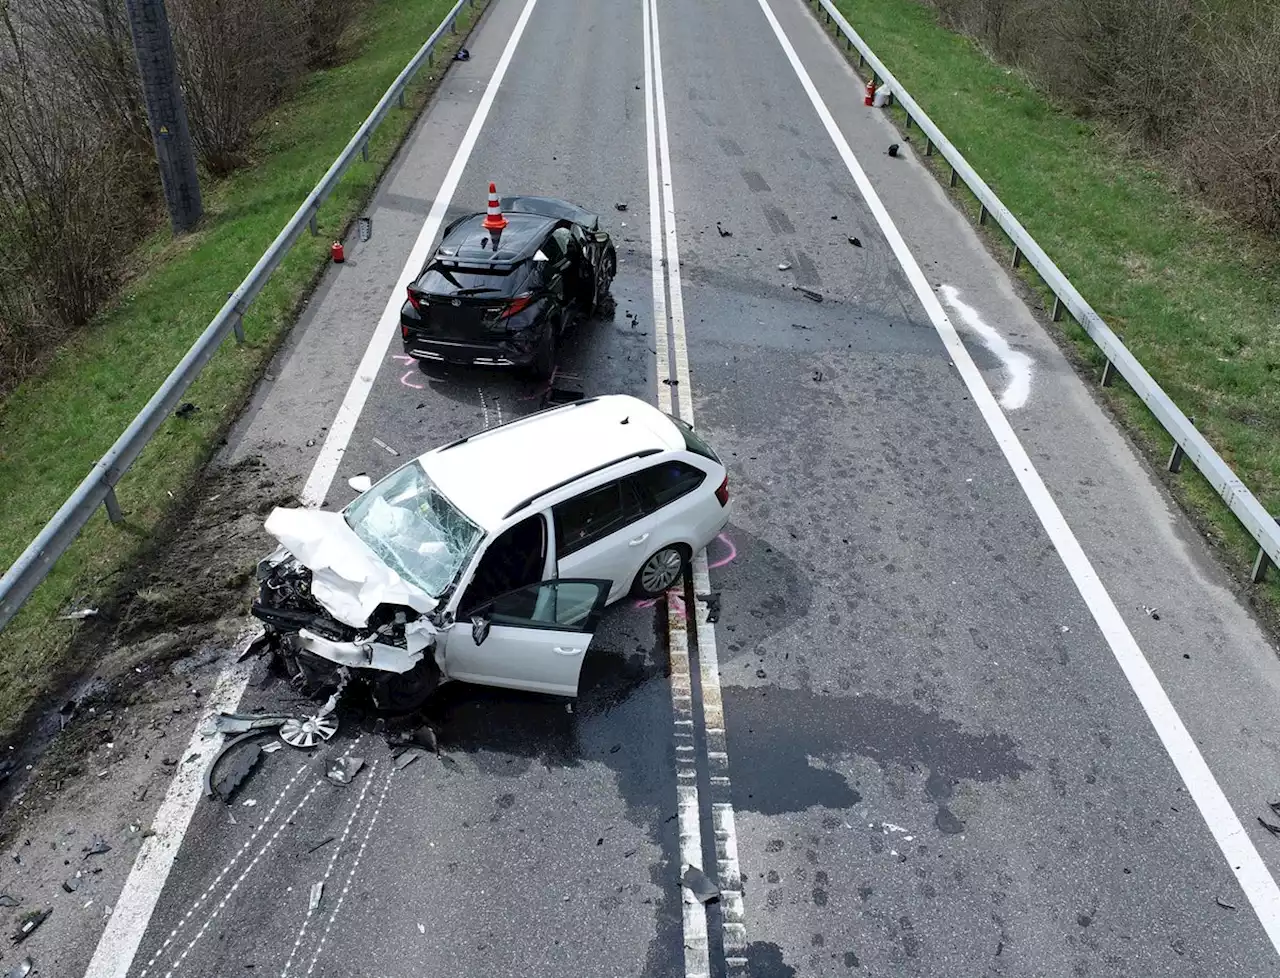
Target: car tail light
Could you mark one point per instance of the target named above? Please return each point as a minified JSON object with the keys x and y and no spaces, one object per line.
{"x":519,"y":304}
{"x":404,"y":331}
{"x":415,"y":299}
{"x":722,"y":493}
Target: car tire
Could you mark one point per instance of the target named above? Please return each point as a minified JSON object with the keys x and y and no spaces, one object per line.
{"x":544,"y":362}
{"x":398,"y":694}
{"x":602,"y":301}
{"x":660,"y":572}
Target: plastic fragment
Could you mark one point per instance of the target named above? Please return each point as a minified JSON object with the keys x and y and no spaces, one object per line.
{"x":408,"y":756}
{"x":856,"y":242}
{"x":342,"y":770}
{"x":8,"y":901}
{"x":808,"y":293}
{"x":272,"y":747}
{"x":79,"y":614}
{"x":700,"y":885}
{"x":784,"y":266}
{"x":97,"y":847}
{"x":317,"y":894}
{"x":723,"y":232}
{"x":385,"y":447}
{"x":30,"y":924}
{"x":22,"y":968}
{"x":1223,"y":903}
{"x":71,"y":885}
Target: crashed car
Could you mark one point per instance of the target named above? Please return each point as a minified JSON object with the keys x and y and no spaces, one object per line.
{"x":490,"y":559}
{"x":505,"y":295}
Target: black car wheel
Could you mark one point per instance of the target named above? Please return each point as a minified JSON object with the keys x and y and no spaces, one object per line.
{"x":544,"y":364}
{"x":395,"y":695}
{"x":605,"y":272}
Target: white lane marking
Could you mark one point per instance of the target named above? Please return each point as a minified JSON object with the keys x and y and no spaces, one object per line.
{"x":132,"y":914}
{"x":728,"y":871}
{"x":672,"y":262}
{"x":355,"y":864}
{"x":1255,"y":880}
{"x":344,"y":423}
{"x":693,"y":915}
{"x":484,"y":407}
{"x":200,"y":900}
{"x":328,"y":870}
{"x":133,"y":908}
{"x":661,"y":339}
{"x":1018,"y":364}
{"x":244,"y":874}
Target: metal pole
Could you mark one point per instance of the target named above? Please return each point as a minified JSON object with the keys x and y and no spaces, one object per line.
{"x":157,"y":65}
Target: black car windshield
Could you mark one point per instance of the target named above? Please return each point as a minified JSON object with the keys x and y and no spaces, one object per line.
{"x":420,"y":535}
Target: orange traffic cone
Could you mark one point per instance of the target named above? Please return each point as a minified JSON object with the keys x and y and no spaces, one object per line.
{"x":494,"y":221}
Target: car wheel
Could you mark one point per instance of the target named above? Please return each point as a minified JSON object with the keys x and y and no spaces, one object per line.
{"x":605,"y":272}
{"x":544,"y":363}
{"x":402,"y":693}
{"x":660,"y":572}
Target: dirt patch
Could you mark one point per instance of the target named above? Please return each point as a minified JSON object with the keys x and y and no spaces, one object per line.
{"x":186,"y":599}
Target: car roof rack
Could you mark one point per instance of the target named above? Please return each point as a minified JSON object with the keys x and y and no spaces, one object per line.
{"x":645,"y":453}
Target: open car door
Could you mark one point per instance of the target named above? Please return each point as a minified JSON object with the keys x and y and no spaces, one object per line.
{"x":533,"y":638}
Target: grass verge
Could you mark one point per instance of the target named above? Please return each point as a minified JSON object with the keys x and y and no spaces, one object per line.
{"x":55,"y":426}
{"x":1194,"y":297}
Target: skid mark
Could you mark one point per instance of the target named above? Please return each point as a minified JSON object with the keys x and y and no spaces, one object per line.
{"x":328,"y":870}
{"x":355,"y":864}
{"x":1018,"y":364}
{"x":200,"y":900}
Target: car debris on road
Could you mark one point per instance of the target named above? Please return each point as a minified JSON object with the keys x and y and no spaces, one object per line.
{"x":30,"y":924}
{"x":342,"y":770}
{"x":700,"y":885}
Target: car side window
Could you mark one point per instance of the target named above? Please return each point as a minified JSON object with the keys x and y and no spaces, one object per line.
{"x":553,"y":249}
{"x":565,"y":605}
{"x":594,"y":514}
{"x":659,"y":485}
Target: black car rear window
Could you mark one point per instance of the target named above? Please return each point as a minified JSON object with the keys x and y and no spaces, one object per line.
{"x":693,"y":443}
{"x":447,"y":280}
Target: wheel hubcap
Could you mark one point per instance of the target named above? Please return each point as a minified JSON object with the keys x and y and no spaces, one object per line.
{"x":661,"y":571}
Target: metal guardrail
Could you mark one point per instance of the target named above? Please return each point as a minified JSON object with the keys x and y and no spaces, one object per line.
{"x":1188,"y":442}
{"x":98,"y":488}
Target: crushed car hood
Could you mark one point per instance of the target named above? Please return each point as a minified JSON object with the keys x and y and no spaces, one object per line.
{"x":347,"y":577}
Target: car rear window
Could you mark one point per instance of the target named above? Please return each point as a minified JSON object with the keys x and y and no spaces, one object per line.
{"x":693,"y":443}
{"x":439,"y":280}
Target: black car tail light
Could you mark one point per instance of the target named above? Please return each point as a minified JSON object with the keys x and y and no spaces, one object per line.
{"x":415,"y":299}
{"x":516,"y":305}
{"x":722,"y":493}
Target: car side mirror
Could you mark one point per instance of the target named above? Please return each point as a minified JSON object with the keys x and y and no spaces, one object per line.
{"x":360,"y":483}
{"x":479,"y":629}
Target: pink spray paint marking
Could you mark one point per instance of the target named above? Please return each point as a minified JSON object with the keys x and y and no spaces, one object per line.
{"x":408,"y":373}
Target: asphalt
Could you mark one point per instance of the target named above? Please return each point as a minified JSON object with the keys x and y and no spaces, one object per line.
{"x":937,"y":766}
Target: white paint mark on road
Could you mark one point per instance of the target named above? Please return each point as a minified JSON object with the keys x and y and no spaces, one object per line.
{"x":137,"y":901}
{"x":1220,"y":818}
{"x":484,"y":407}
{"x":335,"y":442}
{"x":318,"y":888}
{"x":1019,"y":365}
{"x":203,"y":897}
{"x":355,"y":864}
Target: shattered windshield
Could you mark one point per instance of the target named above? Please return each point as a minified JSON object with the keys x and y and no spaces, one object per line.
{"x":407,"y":522}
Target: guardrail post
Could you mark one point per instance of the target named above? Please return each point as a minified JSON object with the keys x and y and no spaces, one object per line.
{"x":862,"y":60}
{"x":453,"y":26}
{"x":237,"y":327}
{"x":1108,"y":374}
{"x":1057,"y":309}
{"x":928,"y":147}
{"x":1261,"y":564}
{"x":364,"y":152}
{"x":954,"y":176}
{"x":1017,"y":256}
{"x":400,"y":99}
{"x":114,"y":513}
{"x":315,"y":228}
{"x":1175,"y":458}
{"x":907,"y":126}
{"x":982,"y":214}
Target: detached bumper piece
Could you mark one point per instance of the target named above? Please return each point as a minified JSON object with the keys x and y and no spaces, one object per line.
{"x":358,"y":655}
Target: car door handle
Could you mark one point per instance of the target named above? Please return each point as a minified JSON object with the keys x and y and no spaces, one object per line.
{"x":638,"y":540}
{"x":560,"y":650}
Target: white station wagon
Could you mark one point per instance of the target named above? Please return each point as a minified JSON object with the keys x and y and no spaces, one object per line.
{"x":495,"y":553}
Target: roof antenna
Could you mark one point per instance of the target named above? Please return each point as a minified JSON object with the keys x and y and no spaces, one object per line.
{"x":627,"y":419}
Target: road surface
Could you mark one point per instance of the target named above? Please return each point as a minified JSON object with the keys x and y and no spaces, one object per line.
{"x":947,"y":748}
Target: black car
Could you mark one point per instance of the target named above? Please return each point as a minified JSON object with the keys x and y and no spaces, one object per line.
{"x":505,"y":298}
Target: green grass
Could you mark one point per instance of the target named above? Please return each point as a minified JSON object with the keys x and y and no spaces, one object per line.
{"x":1193,"y":296}
{"x":54,"y":427}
